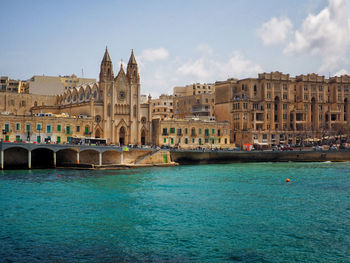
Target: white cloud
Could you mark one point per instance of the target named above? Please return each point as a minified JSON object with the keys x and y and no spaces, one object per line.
{"x":206,"y":69}
{"x":341,"y":72}
{"x":325,"y":34}
{"x":275,"y":31}
{"x":154,"y":54}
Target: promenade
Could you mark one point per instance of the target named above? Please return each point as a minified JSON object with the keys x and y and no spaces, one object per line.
{"x":30,"y":155}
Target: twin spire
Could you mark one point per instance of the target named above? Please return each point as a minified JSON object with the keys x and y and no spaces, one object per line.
{"x":107,"y":58}
{"x":107,"y":68}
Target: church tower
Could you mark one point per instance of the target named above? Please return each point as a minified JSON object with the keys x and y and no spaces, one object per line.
{"x":133,"y":77}
{"x":106,"y":85}
{"x":106,"y":69}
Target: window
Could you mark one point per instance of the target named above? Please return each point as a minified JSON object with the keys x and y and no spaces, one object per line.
{"x":59,"y":127}
{"x":186,"y":130}
{"x":213,"y":131}
{"x":206,"y":140}
{"x":285,"y":106}
{"x":172,"y":130}
{"x":48,"y":128}
{"x":219,"y":132}
{"x":268,"y":95}
{"x":284,"y":116}
{"x":164,"y":140}
{"x":38,"y":127}
{"x":7,"y":127}
{"x":18,"y":138}
{"x":165,"y":131}
{"x":78,"y":128}
{"x":87,"y":130}
{"x":200,"y":130}
{"x":268,"y":105}
{"x":186,"y":141}
{"x":206,"y":132}
{"x":68,"y":129}
{"x":172,"y":140}
{"x":193,"y":140}
{"x":18,"y":126}
{"x":28,"y":128}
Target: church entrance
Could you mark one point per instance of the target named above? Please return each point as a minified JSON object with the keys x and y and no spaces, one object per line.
{"x":98,"y":133}
{"x":122,"y":136}
{"x":143,"y":137}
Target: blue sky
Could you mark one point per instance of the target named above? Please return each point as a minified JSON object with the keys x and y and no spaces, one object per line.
{"x":175,"y":42}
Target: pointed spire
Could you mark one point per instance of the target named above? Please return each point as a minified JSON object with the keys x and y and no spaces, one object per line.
{"x":132,"y":59}
{"x":106,"y":57}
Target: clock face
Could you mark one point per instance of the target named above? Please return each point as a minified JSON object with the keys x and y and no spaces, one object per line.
{"x":122,"y":95}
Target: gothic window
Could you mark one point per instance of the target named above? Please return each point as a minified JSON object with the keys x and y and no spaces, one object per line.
{"x":81,"y":96}
{"x":75,"y":98}
{"x":88,"y":95}
{"x":109,"y":110}
{"x":95,"y":94}
{"x":143,"y":120}
{"x":134,"y":110}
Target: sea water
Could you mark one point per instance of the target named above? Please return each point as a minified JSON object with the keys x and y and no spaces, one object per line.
{"x":200,"y":213}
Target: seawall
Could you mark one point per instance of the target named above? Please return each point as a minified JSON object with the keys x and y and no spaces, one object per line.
{"x":199,"y":157}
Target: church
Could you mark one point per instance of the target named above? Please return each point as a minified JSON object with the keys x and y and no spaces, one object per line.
{"x":112,"y":107}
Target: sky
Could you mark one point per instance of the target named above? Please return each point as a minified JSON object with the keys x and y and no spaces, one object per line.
{"x":176,"y":43}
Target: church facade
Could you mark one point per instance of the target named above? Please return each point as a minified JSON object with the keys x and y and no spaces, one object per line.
{"x":113,"y":104}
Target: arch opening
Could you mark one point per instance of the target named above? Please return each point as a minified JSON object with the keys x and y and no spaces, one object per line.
{"x":42,"y":158}
{"x":89,"y":157}
{"x":66,"y":157}
{"x":16,"y":158}
{"x":122,"y":136}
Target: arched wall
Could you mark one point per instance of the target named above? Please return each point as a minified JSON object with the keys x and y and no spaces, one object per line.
{"x":89,"y":157}
{"x":66,"y":157}
{"x":15,"y":158}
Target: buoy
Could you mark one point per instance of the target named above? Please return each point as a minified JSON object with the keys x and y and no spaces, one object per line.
{"x":287,"y":180}
{"x":59,"y":175}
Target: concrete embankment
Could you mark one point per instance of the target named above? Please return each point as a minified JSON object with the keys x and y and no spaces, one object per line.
{"x":199,"y":157}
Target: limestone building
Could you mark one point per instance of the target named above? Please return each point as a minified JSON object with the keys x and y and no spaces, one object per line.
{"x":11,"y":85}
{"x":109,"y":109}
{"x":193,"y":89}
{"x":41,"y":127}
{"x":191,"y":133}
{"x":198,"y":105}
{"x":163,"y":107}
{"x":52,"y":85}
{"x":278,"y":109}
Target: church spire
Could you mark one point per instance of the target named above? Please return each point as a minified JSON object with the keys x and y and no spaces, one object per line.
{"x":132,"y":71}
{"x":106,"y":70}
{"x":132,"y":60}
{"x":106,"y":57}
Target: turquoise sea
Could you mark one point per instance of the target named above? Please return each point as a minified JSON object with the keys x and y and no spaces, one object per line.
{"x":203,"y":213}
